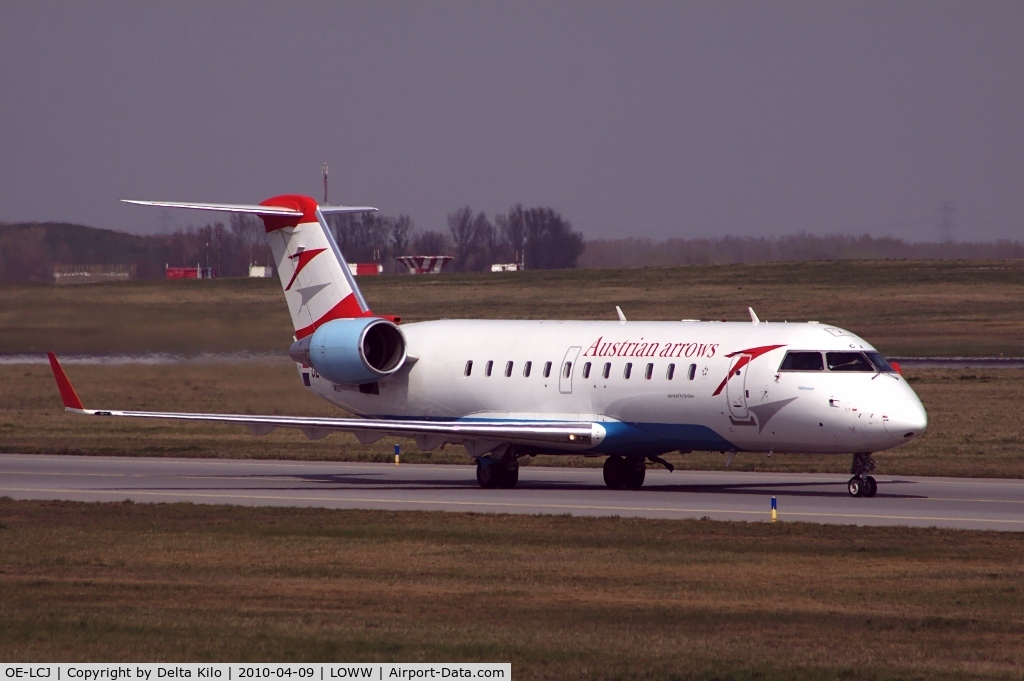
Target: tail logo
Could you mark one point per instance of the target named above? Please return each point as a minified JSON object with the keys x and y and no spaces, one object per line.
{"x":301,"y":259}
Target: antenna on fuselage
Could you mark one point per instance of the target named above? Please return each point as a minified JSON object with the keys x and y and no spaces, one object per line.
{"x":753,"y":317}
{"x":622,"y":317}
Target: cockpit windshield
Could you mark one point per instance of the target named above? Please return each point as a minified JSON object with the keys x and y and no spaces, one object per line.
{"x":802,"y":361}
{"x":880,"y":363}
{"x":807,"y":360}
{"x":847,"y":361}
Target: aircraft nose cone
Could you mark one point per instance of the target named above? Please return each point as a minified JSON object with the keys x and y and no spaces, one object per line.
{"x":906,"y":420}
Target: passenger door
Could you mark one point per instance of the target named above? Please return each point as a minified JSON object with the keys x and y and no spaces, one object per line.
{"x":566,"y":369}
{"x":736,"y":387}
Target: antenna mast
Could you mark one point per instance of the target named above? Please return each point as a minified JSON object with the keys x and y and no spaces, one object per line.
{"x":325,"y":183}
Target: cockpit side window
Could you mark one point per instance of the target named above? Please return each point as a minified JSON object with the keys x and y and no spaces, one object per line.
{"x":802,"y":361}
{"x":848,"y":361}
{"x":880,"y":363}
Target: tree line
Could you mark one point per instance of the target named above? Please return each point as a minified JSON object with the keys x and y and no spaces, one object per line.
{"x":640,"y":252}
{"x":540,"y":237}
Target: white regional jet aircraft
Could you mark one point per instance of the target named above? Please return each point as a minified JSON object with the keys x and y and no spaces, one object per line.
{"x":627,"y":390}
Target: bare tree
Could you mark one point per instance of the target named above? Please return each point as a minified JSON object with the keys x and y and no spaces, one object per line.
{"x":431,"y":243}
{"x":512,"y":233}
{"x":471,"y":235}
{"x":550,"y":242}
{"x":403,"y":231}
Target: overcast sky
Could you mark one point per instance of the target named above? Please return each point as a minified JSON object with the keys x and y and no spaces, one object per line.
{"x":632,"y":118}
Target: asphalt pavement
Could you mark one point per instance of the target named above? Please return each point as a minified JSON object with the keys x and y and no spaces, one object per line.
{"x":972,"y":503}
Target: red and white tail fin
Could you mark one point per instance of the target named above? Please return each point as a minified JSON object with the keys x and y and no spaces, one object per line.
{"x":317,"y":282}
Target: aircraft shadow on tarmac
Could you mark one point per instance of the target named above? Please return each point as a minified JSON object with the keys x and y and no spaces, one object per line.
{"x":363,"y":482}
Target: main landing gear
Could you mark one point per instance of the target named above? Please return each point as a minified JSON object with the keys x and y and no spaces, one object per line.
{"x":862,"y":484}
{"x":492,"y":473}
{"x":624,"y":472}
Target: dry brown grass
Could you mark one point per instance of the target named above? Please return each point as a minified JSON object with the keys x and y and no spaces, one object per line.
{"x":903,"y":307}
{"x":559,"y":597}
{"x":976,"y":422}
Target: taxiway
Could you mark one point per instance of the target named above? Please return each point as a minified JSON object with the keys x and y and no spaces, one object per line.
{"x":970,"y":503}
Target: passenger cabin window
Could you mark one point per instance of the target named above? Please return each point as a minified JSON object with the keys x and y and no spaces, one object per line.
{"x":547,"y":369}
{"x":880,"y":363}
{"x":649,"y":371}
{"x":671,"y":372}
{"x":469,"y":368}
{"x":607,"y":371}
{"x":526,"y":369}
{"x":586,"y":370}
{"x":488,"y":367}
{"x":508,"y":369}
{"x":567,"y":370}
{"x":847,"y":361}
{"x":627,"y":370}
{"x":692,"y":371}
{"x":802,"y":361}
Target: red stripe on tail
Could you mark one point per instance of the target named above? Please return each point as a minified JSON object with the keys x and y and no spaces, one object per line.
{"x":293,"y":201}
{"x":348,"y":308}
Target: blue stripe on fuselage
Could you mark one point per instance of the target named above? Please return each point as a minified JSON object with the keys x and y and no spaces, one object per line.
{"x":657,"y":438}
{"x":628,"y":439}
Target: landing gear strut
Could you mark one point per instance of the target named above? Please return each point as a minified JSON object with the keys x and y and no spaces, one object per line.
{"x":624,"y":473}
{"x":503,"y":472}
{"x":862,"y":484}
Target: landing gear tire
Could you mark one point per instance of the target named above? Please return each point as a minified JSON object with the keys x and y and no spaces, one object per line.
{"x":871,"y":487}
{"x":503,"y":474}
{"x":510,"y":475}
{"x":490,"y":476}
{"x":862,"y":484}
{"x":615,"y":472}
{"x":855,"y":487}
{"x":624,"y":473}
{"x":636,"y":471}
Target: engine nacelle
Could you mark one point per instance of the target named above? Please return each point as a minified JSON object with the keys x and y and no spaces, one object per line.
{"x":353,"y":351}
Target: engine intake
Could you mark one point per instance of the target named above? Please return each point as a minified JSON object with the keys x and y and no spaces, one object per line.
{"x":353,"y":351}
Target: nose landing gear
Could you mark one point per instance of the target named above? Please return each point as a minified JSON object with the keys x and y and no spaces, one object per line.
{"x":862,"y":484}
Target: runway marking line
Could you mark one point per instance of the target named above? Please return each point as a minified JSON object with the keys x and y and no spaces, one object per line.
{"x":514,"y":505}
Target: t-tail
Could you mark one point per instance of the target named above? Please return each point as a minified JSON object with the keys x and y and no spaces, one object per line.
{"x":318,"y":284}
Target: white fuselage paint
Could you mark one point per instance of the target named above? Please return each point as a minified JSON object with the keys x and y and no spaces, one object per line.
{"x":759,"y":409}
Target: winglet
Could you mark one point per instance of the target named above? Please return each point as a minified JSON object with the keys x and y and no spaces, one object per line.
{"x":67,"y":391}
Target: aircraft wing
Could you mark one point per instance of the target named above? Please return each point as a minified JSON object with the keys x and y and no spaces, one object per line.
{"x":428,"y":434}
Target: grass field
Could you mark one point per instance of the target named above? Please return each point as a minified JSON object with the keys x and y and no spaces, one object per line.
{"x":976,"y":423}
{"x":558,"y":597}
{"x":924,"y":308}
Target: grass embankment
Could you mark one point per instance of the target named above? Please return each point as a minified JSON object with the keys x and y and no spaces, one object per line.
{"x":976,"y":426}
{"x":559,"y":597}
{"x":925,"y":308}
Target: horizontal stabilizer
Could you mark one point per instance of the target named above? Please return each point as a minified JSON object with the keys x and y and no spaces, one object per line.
{"x":345,"y":210}
{"x":224,"y":207}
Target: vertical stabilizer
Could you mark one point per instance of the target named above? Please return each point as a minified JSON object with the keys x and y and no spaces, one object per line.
{"x":317,"y":282}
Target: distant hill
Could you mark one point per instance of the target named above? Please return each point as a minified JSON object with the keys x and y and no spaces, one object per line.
{"x":28,"y":251}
